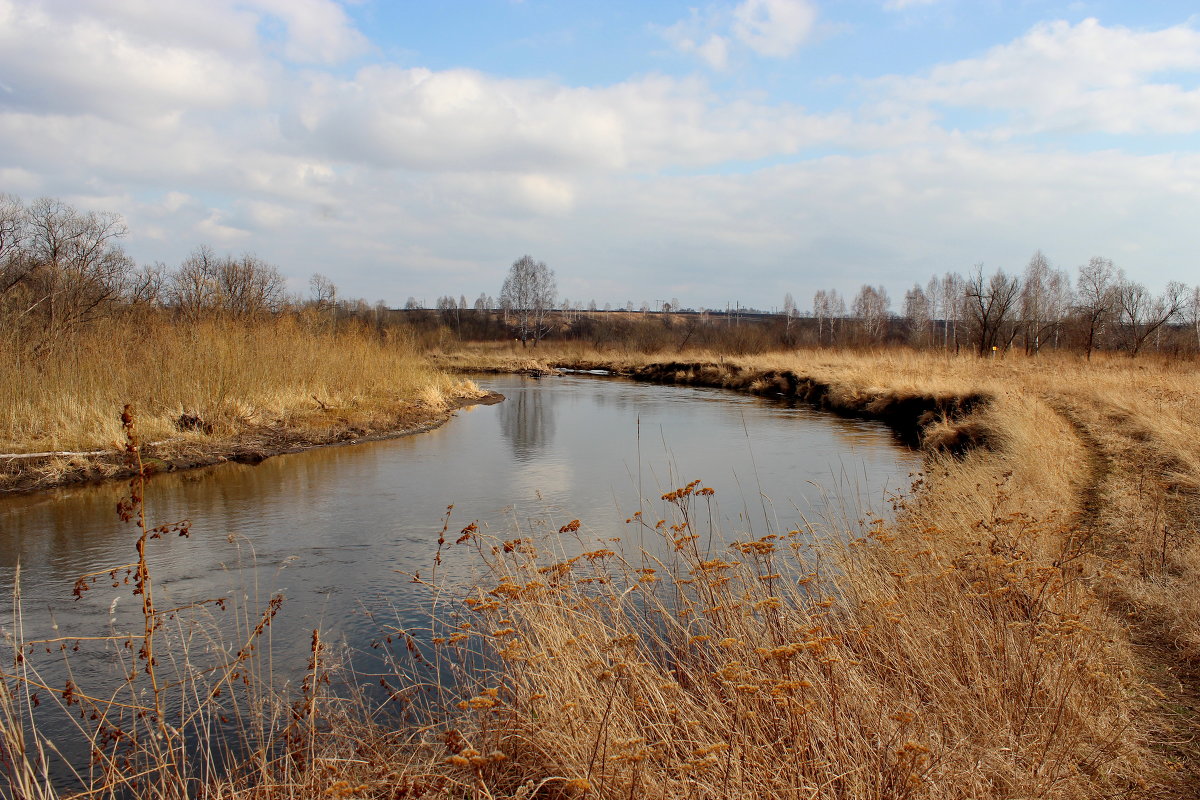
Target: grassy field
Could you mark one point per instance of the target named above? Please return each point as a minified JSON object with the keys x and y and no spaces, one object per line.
{"x":207,"y":390}
{"x":1024,"y":625}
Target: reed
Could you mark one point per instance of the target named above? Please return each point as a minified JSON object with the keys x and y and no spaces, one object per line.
{"x":198,"y":387}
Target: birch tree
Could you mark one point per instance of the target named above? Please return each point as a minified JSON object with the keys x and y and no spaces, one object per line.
{"x":528,"y":295}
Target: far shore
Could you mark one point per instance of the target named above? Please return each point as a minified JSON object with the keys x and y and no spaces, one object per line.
{"x":22,"y":473}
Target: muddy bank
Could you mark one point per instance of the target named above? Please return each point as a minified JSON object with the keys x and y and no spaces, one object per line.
{"x":930,"y":420}
{"x":20,"y":473}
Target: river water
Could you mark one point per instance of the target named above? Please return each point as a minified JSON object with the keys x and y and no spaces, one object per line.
{"x":340,"y":531}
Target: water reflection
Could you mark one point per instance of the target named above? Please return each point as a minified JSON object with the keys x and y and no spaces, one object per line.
{"x":527,"y":421}
{"x":340,"y":531}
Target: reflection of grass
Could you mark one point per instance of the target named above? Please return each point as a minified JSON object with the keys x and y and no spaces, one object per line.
{"x":1007,"y":634}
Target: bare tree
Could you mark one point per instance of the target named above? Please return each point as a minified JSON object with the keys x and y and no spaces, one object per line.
{"x":870,"y":307}
{"x":1096,"y":298}
{"x":248,"y":286}
{"x":1045,"y":300}
{"x":1193,"y":312}
{"x":954,"y":303}
{"x":15,"y":266}
{"x":1141,"y":314}
{"x":193,"y":287}
{"x":146,"y":285}
{"x":321,"y":291}
{"x":789,"y":316}
{"x":529,"y":292}
{"x":918,"y":312}
{"x":991,"y":304}
{"x":74,"y":270}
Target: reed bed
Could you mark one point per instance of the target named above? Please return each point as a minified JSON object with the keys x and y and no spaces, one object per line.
{"x":197,"y":387}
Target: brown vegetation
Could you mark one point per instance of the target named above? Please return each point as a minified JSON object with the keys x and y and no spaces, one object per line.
{"x":208,"y":390}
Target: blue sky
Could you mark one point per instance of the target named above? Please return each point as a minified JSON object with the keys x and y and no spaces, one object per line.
{"x":716,"y":153}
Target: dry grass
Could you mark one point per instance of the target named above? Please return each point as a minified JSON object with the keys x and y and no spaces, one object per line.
{"x":1100,"y":463}
{"x":199,"y":387}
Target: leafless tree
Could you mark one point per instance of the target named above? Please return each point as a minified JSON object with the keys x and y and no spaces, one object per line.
{"x":248,"y":286}
{"x":1140,"y":314}
{"x":1096,"y":298}
{"x":75,"y":269}
{"x":15,"y":265}
{"x":322,"y":291}
{"x":146,"y":285}
{"x":529,"y":291}
{"x":1192,"y":309}
{"x":954,"y":304}
{"x":870,"y":307}
{"x":991,"y":304}
{"x":918,"y":312}
{"x":1045,"y":300}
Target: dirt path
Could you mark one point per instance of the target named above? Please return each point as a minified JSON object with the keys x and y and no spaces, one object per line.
{"x":1120,"y":459}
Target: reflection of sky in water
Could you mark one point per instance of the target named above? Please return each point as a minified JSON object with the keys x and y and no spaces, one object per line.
{"x":331,"y":527}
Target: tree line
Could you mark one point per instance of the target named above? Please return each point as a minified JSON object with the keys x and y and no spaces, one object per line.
{"x":61,"y":269}
{"x":1039,"y":309}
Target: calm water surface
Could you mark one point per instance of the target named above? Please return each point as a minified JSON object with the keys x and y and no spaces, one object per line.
{"x":339,"y":531}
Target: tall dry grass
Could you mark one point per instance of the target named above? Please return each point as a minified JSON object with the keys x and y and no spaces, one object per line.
{"x":228,"y":375}
{"x":1101,"y":458}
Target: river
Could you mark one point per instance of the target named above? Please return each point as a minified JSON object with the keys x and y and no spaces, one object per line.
{"x":339,"y":532}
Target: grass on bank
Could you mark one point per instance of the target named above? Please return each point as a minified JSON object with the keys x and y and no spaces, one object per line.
{"x":214,"y":380}
{"x":1022,"y":628}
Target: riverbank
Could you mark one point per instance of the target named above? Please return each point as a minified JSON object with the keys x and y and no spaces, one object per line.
{"x":1048,"y":480}
{"x":209,"y":392}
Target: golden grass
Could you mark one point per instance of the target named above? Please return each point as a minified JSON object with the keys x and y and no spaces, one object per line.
{"x":1085,"y":497}
{"x":215,"y":381}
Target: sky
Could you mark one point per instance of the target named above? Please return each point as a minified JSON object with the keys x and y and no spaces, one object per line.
{"x":714,"y":153}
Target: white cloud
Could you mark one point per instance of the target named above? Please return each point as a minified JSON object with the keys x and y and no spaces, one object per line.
{"x":900,"y":5}
{"x":774,"y":28}
{"x":769,"y":28}
{"x":458,"y":120}
{"x":318,"y":31}
{"x":1084,"y":77}
{"x":401,"y":181}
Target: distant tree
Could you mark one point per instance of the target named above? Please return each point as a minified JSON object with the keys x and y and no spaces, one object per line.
{"x":321,"y":291}
{"x":918,"y":314}
{"x":412,"y":304}
{"x":248,"y":286}
{"x":1192,"y":310}
{"x":1096,"y":298}
{"x":1140,"y":314}
{"x":481,"y":303}
{"x":954,"y":304}
{"x":870,"y":307}
{"x":15,"y":266}
{"x":789,"y":316}
{"x":70,"y":267}
{"x":1045,"y":300}
{"x":145,"y":286}
{"x":529,"y":291}
{"x":991,"y":304}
